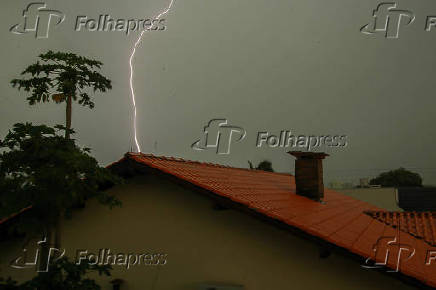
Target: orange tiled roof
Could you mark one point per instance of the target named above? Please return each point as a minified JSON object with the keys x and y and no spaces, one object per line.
{"x":341,"y":220}
{"x":419,"y":224}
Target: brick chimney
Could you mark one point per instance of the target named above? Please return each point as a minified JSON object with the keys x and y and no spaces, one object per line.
{"x":308,"y":174}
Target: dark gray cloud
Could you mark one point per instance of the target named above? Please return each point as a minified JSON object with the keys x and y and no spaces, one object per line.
{"x":264,"y":65}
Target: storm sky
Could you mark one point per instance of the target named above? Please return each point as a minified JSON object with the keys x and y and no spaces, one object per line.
{"x":299,"y":65}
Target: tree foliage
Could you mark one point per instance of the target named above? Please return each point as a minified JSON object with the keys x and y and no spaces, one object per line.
{"x":61,"y":74}
{"x":265,"y":166}
{"x":40,"y":168}
{"x":62,"y":274}
{"x":48,"y":173}
{"x":397,"y":178}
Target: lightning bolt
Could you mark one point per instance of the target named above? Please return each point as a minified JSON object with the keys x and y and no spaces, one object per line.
{"x":132,"y":55}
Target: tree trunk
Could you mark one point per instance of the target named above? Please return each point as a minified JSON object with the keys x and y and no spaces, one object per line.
{"x":57,"y":232}
{"x":68,"y":117}
{"x":45,"y":250}
{"x":58,"y":223}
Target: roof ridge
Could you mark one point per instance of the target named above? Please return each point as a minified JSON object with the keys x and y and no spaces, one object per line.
{"x":179,"y":159}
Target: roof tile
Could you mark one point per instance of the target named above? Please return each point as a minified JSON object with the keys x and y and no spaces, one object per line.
{"x":418,"y":224}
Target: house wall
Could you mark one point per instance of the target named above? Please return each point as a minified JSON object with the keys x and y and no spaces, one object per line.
{"x":202,"y":244}
{"x":381,"y":197}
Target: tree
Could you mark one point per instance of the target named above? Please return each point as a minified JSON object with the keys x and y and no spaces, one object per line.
{"x":42,"y":169}
{"x":264,"y":165}
{"x":62,"y":274}
{"x":397,"y":178}
{"x":65,"y":77}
